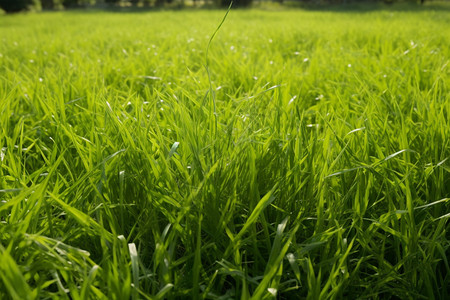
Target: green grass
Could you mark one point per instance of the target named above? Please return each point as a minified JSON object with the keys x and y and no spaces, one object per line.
{"x":317,"y":167}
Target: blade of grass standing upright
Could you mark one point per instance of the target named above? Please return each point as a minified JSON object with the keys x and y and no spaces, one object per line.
{"x":134,"y":268}
{"x":212,"y":97}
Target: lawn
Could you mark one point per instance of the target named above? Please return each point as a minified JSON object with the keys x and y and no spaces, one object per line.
{"x":306,"y":154}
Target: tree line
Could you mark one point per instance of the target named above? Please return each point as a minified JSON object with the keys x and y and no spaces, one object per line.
{"x":22,"y":5}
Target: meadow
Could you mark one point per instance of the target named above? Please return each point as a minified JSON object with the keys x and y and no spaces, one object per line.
{"x":303,"y":155}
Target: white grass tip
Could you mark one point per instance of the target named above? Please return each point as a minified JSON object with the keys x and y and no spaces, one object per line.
{"x":292,"y":100}
{"x":272,"y":291}
{"x":132,"y":249}
{"x":355,"y":130}
{"x":152,"y":77}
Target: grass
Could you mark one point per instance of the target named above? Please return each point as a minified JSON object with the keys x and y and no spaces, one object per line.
{"x":321,"y":170}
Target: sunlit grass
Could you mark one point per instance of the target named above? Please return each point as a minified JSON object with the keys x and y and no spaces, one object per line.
{"x":321,"y":170}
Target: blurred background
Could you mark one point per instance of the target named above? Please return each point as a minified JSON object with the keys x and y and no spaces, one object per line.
{"x":11,"y":6}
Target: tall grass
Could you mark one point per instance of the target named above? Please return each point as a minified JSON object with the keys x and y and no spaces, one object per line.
{"x":326,"y":175}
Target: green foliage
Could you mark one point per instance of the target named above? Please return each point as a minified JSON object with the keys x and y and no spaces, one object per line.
{"x":310,"y":159}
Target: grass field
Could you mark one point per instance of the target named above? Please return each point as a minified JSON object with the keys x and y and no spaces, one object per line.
{"x":312,"y":163}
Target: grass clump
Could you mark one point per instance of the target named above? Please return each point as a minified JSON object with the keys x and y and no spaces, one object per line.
{"x":322,"y":172}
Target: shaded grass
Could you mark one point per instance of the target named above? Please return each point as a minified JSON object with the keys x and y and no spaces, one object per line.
{"x":326,"y":176}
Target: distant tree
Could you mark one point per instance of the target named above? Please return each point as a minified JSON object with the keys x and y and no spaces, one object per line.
{"x":15,"y":5}
{"x":77,"y":3}
{"x":70,"y":3}
{"x":236,"y":3}
{"x":47,"y":4}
